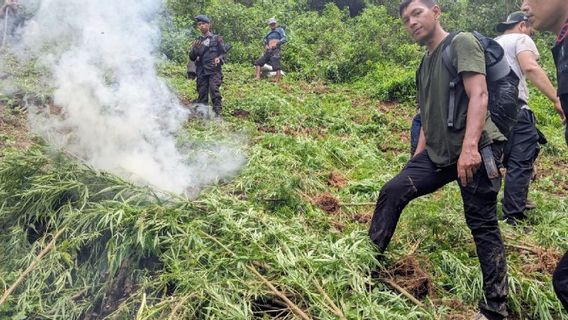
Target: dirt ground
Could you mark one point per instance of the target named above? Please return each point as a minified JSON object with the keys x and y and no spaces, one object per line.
{"x":14,"y":129}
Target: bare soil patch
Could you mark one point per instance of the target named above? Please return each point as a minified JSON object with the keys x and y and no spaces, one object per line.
{"x":363,"y":218}
{"x":14,"y":130}
{"x":336,"y":179}
{"x":240,"y":113}
{"x":409,"y":275}
{"x":327,"y":202}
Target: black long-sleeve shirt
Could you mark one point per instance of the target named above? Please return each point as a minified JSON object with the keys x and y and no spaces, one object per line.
{"x":208,"y":48}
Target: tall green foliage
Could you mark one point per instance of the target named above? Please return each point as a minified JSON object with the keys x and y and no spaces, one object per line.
{"x":354,"y":6}
{"x":479,"y":15}
{"x":327,"y":43}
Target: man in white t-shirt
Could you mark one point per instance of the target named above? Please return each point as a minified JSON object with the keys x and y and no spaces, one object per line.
{"x":522,"y":148}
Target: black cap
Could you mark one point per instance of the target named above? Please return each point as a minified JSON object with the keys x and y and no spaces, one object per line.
{"x":202,"y":18}
{"x":512,"y":19}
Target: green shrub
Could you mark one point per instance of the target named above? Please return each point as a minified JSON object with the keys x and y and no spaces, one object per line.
{"x":390,"y":83}
{"x":328,"y":45}
{"x":177,"y":34}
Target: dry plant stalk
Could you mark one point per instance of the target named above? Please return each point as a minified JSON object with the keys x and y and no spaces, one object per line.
{"x":335,"y":309}
{"x":404,"y":292}
{"x":357,"y":204}
{"x":32,"y":265}
{"x":525,"y":248}
{"x":280,"y":295}
{"x":173,"y":314}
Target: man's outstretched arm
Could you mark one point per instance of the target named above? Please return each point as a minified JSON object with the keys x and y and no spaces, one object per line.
{"x":532,"y":70}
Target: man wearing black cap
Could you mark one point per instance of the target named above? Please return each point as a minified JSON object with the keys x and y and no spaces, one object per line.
{"x":522,"y":147}
{"x":552,"y":15}
{"x":208,"y":52}
{"x":272,"y":42}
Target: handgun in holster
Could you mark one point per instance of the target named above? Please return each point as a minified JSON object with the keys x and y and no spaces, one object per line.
{"x":489,"y":162}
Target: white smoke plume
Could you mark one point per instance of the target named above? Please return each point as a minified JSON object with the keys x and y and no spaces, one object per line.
{"x":117,"y":114}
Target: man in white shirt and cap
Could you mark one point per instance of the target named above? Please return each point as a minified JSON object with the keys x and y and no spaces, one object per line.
{"x":522,"y":147}
{"x":272,"y":42}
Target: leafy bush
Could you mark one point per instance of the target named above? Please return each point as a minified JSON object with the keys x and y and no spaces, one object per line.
{"x":177,"y":34}
{"x":353,"y":47}
{"x":387,"y":82}
{"x":241,"y":23}
{"x":316,"y":51}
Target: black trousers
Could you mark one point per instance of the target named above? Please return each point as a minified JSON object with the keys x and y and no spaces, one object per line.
{"x":520,"y":153}
{"x":564,"y":102}
{"x":560,"y":276}
{"x":270,"y":56}
{"x":208,"y":85}
{"x":421,"y":177}
{"x":560,"y":281}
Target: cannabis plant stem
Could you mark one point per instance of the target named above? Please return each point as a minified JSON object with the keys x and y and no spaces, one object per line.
{"x":333,"y":306}
{"x":357,"y":204}
{"x":173,"y":314}
{"x":528,"y":247}
{"x":31,"y":266}
{"x":404,"y":292}
{"x":279,"y":294}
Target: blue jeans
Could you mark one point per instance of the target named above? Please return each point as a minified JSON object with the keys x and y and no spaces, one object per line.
{"x":564,"y":102}
{"x":415,"y":133}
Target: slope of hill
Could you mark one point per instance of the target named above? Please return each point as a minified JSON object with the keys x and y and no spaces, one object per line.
{"x":285,"y":238}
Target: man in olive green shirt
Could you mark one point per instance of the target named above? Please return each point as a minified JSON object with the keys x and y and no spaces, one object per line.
{"x":445,"y":154}
{"x":444,"y":144}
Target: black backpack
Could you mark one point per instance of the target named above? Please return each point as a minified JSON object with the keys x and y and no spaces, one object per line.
{"x":502,"y":84}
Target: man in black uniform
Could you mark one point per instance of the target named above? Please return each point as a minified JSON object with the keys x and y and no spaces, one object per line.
{"x":552,"y":15}
{"x":11,"y":18}
{"x":208,"y":52}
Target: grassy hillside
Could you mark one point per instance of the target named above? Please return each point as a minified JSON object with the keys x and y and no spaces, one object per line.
{"x":287,"y":234}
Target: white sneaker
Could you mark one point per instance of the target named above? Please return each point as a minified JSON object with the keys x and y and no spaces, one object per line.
{"x":479,"y":316}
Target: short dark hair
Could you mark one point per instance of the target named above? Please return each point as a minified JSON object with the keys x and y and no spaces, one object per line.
{"x":404,"y":4}
{"x":511,"y":26}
